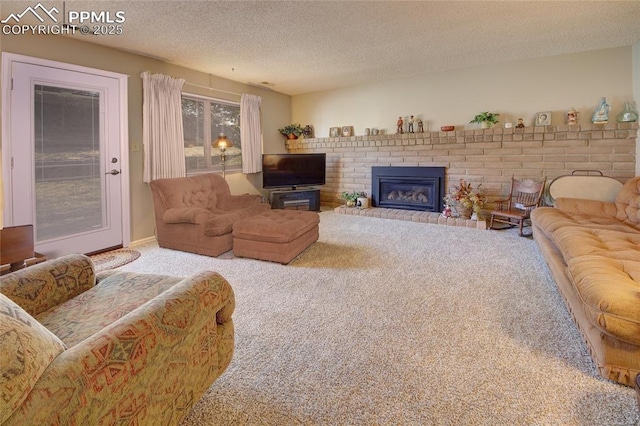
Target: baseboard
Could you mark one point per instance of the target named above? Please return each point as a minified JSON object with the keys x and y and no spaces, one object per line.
{"x":142,"y":241}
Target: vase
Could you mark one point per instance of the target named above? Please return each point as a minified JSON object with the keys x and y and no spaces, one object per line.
{"x":463,"y":212}
{"x":292,"y":136}
{"x":601,"y":113}
{"x":628,"y":115}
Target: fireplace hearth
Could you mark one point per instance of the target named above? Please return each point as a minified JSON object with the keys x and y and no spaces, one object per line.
{"x":408,"y":188}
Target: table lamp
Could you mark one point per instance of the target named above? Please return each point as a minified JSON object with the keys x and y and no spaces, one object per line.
{"x":222,"y":143}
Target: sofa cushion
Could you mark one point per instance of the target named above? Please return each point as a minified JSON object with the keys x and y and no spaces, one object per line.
{"x":574,"y":241}
{"x":276,"y":226}
{"x":221,"y":222}
{"x":93,"y":310}
{"x":194,"y":191}
{"x":550,"y":219}
{"x":610,"y":291}
{"x":26,"y":351}
{"x":186,"y":215}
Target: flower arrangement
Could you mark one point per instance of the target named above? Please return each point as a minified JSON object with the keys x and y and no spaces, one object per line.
{"x":465,"y":195}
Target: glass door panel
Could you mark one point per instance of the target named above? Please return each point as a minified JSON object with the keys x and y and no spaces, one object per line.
{"x":68,"y":180}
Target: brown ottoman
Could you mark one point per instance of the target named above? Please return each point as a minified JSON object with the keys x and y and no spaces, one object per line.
{"x":276,"y":235}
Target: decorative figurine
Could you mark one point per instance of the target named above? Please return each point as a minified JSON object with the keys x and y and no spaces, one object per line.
{"x":410,"y":129}
{"x":601,"y":113}
{"x":399,"y":125}
{"x":447,"y":211}
{"x":307,"y":132}
{"x":420,"y":126}
{"x":572,"y":116}
{"x":520,"y":124}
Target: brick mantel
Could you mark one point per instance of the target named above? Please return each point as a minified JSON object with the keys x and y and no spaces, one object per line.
{"x":489,"y":156}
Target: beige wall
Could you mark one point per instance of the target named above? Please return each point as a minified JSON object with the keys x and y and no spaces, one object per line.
{"x":276,"y":108}
{"x":514,"y":89}
{"x":490,"y":157}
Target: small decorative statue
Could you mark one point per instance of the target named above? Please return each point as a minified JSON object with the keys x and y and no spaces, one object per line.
{"x":307,"y":132}
{"x":520,"y":124}
{"x":447,"y":211}
{"x":410,"y":129}
{"x":420,"y":126}
{"x":399,"y":125}
{"x":572,"y":116}
{"x":601,"y":113}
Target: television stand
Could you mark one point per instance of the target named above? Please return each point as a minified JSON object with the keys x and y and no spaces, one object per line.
{"x":295,"y":199}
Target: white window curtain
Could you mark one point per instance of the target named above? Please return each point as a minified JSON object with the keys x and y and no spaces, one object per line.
{"x":162,"y":128}
{"x":251,"y":133}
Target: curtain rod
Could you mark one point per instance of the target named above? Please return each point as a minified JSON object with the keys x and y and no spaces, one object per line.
{"x":211,"y":88}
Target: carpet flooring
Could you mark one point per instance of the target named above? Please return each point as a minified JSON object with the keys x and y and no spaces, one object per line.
{"x":385,"y":322}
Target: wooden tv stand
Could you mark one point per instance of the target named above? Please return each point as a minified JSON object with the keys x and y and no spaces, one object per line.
{"x":295,"y":199}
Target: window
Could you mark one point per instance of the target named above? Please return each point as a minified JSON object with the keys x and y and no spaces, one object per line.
{"x":204,"y":119}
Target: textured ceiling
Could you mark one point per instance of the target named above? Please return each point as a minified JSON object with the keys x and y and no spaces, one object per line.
{"x":309,"y":46}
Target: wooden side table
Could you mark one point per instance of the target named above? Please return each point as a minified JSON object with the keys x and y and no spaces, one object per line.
{"x":16,"y":249}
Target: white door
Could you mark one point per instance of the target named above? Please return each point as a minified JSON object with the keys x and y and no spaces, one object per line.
{"x":66,"y":166}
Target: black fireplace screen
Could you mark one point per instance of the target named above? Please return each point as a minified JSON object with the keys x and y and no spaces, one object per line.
{"x":410,"y":188}
{"x":399,"y":191}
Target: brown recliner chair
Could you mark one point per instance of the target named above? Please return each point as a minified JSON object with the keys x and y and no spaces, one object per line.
{"x":196,"y":214}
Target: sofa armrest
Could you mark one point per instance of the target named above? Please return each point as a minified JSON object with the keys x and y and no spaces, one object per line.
{"x":186,"y":215}
{"x":28,"y":348}
{"x":45,"y":285}
{"x":586,"y":207}
{"x":233,"y":202}
{"x":175,"y":344}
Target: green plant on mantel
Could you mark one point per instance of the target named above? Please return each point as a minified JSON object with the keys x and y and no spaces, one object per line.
{"x":487,"y":118}
{"x":292,"y":129}
{"x":351,"y":197}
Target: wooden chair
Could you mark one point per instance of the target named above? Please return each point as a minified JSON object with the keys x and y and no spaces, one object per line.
{"x":524,"y":196}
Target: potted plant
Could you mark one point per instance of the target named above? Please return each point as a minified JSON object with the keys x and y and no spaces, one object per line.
{"x":486,"y":119}
{"x":292,"y":131}
{"x":467,"y":200}
{"x":352,"y":197}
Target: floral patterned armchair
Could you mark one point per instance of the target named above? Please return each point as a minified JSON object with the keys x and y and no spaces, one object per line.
{"x":112,"y":348}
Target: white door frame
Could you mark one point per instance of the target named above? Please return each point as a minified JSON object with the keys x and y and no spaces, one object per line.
{"x":6,"y":199}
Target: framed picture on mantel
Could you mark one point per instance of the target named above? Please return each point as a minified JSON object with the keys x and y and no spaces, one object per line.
{"x":334,"y":132}
{"x":543,"y":118}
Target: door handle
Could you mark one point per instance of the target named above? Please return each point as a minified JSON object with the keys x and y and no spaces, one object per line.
{"x":113,"y":172}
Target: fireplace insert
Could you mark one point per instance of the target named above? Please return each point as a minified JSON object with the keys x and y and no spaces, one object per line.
{"x":408,"y":188}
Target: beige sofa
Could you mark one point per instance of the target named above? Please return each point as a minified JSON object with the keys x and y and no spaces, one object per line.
{"x":593,"y":251}
{"x":116,"y":348}
{"x":196,"y":214}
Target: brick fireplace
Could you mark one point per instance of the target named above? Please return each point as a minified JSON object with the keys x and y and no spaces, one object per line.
{"x":488,"y":157}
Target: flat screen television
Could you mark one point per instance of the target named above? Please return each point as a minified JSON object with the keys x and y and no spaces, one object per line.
{"x":293,"y":170}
